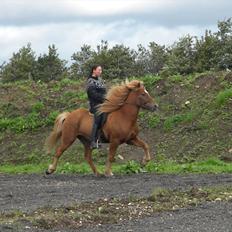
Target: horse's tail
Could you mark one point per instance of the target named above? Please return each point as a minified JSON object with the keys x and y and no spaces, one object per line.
{"x":56,"y":133}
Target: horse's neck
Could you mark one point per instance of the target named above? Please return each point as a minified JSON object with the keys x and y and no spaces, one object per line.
{"x":130,"y":112}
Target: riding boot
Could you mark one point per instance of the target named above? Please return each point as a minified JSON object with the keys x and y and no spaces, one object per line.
{"x":94,"y":135}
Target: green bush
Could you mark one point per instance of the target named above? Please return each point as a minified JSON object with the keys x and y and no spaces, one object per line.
{"x":80,"y":95}
{"x":37,"y":107}
{"x":20,"y":124}
{"x":70,"y":168}
{"x":176,"y":78}
{"x":153,"y":121}
{"x":150,"y":80}
{"x":30,"y":122}
{"x":223,"y":97}
{"x":51,"y":117}
{"x":132,"y":167}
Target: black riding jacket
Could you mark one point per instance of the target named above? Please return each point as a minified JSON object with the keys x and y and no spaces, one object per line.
{"x":96,"y":92}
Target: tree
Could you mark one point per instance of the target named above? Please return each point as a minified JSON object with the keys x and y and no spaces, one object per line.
{"x":122,"y":62}
{"x":151,"y":60}
{"x":181,"y":56}
{"x":21,"y":65}
{"x":142,"y":60}
{"x":80,"y":66}
{"x":224,"y":36}
{"x":214,"y":50}
{"x":118,"y":61}
{"x":206,"y":48}
{"x":157,"y":57}
{"x":50,"y":66}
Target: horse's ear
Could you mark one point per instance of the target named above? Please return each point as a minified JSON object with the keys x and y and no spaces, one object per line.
{"x":128,"y":87}
{"x":140,"y":84}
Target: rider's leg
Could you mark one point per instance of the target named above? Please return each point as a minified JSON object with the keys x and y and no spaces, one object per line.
{"x":96,"y":127}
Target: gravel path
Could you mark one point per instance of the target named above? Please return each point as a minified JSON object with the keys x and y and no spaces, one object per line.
{"x":30,"y":192}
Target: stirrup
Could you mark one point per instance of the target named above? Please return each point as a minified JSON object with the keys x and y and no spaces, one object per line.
{"x":95,"y":145}
{"x":98,"y":144}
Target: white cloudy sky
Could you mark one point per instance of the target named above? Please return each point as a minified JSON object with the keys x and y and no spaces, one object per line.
{"x":71,"y":23}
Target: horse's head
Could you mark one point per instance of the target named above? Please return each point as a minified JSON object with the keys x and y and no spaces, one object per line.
{"x":143,"y":98}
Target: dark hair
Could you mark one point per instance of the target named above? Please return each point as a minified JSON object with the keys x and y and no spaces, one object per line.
{"x":94,"y":67}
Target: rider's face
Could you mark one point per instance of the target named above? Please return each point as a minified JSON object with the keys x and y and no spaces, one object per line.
{"x":98,"y":71}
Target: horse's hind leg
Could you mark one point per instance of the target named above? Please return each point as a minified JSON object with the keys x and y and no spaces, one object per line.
{"x":140,"y":143}
{"x":66,"y":141}
{"x":88,"y":157}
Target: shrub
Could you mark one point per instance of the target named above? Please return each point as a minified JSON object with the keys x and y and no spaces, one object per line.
{"x":223,"y":97}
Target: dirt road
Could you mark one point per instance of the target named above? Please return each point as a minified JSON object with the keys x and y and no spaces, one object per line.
{"x":30,"y":192}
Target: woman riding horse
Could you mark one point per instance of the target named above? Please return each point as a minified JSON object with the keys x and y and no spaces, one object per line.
{"x":96,"y":91}
{"x":122,"y":106}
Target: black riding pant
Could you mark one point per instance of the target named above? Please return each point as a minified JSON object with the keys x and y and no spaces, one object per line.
{"x":98,"y":120}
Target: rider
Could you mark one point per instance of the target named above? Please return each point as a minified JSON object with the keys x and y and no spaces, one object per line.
{"x":96,"y":91}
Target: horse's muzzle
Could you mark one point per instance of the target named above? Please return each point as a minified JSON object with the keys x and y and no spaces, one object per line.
{"x":154,"y":108}
{"x":151,"y":107}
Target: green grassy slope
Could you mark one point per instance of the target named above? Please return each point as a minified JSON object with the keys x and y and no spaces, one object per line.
{"x":193,"y":122}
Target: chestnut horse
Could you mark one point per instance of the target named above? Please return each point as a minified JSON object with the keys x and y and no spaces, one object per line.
{"x":122,"y":105}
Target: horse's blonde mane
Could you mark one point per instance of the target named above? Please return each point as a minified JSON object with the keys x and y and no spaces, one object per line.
{"x":117,"y":95}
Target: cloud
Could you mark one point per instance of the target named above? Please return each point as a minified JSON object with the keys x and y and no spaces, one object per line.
{"x":165,"y":12}
{"x":28,"y":12}
{"x":71,"y":23}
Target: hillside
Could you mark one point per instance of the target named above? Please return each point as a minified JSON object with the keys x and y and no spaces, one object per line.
{"x":193,"y":121}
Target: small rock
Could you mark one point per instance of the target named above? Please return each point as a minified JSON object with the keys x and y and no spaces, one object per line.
{"x":100,"y":209}
{"x":120,"y":157}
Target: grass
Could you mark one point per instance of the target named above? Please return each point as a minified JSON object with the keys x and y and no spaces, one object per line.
{"x":174,"y":120}
{"x":169,"y":199}
{"x":176,"y":78}
{"x":32,"y":121}
{"x":28,"y":110}
{"x":223,"y":97}
{"x":211,"y":165}
{"x":151,"y":119}
{"x":150,"y":80}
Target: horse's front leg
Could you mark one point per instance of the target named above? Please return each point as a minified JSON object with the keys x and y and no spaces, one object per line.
{"x":140,"y":143}
{"x":110,"y":159}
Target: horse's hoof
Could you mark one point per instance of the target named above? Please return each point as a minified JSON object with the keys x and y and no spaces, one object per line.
{"x":109,"y":174}
{"x":47,"y":172}
{"x":145,"y":162}
{"x":99,"y":175}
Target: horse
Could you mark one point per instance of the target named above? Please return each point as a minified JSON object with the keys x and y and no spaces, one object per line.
{"x":122,"y":104}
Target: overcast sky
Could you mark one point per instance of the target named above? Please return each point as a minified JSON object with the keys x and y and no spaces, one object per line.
{"x":71,"y":23}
